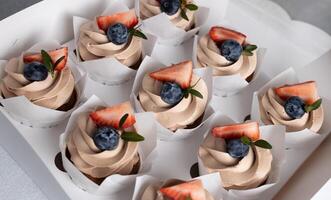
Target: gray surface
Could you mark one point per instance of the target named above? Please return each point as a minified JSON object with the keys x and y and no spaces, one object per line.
{"x":16,"y":185}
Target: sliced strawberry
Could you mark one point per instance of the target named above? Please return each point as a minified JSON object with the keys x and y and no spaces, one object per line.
{"x":111,"y":116}
{"x":54,"y":54}
{"x":129,"y":19}
{"x":233,"y":131}
{"x":190,"y":190}
{"x":180,"y":73}
{"x":220,"y":34}
{"x":306,"y":91}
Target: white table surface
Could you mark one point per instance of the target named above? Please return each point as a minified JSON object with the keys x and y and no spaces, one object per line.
{"x":16,"y":185}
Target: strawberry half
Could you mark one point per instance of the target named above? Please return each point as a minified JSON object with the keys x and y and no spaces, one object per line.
{"x":190,"y":190}
{"x":220,"y":34}
{"x":307,"y":91}
{"x":129,"y":19}
{"x":111,"y":116}
{"x":180,"y":73}
{"x":54,"y":54}
{"x":234,"y":131}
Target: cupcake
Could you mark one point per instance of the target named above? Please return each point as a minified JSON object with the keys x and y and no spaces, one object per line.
{"x":113,"y":36}
{"x":296,"y":106}
{"x":43,"y":78}
{"x":180,"y":13}
{"x":243,"y":160}
{"x":227,"y":52}
{"x":105,"y":142}
{"x":177,"y":96}
{"x":176,"y":189}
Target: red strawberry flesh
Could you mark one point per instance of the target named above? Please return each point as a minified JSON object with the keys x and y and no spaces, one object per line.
{"x":129,"y":19}
{"x":220,"y":34}
{"x":189,"y":190}
{"x":235,"y":131}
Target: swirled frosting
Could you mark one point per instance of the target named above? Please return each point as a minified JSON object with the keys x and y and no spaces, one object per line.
{"x":50,"y":93}
{"x":272,"y":112}
{"x":249,"y":172}
{"x":150,"y":8}
{"x":95,"y":163}
{"x":152,"y":192}
{"x":186,"y":112}
{"x":208,"y":54}
{"x":93,"y":44}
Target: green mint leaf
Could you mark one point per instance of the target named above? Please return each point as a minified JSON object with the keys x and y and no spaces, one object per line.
{"x":191,"y":7}
{"x":58,"y":62}
{"x":186,"y":93}
{"x":131,"y":31}
{"x":183,"y":14}
{"x":247,"y":53}
{"x":140,"y":34}
{"x":250,"y":47}
{"x":47,"y":61}
{"x":263,"y":144}
{"x":123,"y":119}
{"x":195,"y":93}
{"x":132,"y":137}
{"x":314,"y":106}
{"x":194,"y":84}
{"x":246,"y":140}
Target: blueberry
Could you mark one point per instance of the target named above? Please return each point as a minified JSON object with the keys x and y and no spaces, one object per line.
{"x":294,"y":107}
{"x":106,"y":138}
{"x":236,"y":148}
{"x":231,"y":50}
{"x":170,"y":7}
{"x":171,"y":93}
{"x":35,"y":71}
{"x":118,"y":34}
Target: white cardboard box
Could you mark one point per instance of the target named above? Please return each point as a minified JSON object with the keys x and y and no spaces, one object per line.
{"x":50,"y":19}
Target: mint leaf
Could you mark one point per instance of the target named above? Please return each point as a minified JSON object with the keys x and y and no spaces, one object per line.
{"x":314,"y":106}
{"x":123,"y":119}
{"x":140,"y":34}
{"x":245,"y":140}
{"x":132,"y":137}
{"x":250,"y":47}
{"x":195,"y":93}
{"x":263,"y":144}
{"x":183,"y":14}
{"x":47,"y":61}
{"x":191,"y":7}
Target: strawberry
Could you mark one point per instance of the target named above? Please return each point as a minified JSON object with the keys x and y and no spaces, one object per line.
{"x":234,"y":131}
{"x":220,"y":34}
{"x":129,"y":19}
{"x":180,"y":73}
{"x":190,"y":190}
{"x":307,"y":91}
{"x":111,"y":116}
{"x":54,"y":54}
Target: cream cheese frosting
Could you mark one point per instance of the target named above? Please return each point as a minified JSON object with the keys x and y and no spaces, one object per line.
{"x":150,"y":8}
{"x":50,"y":93}
{"x":100,"y":164}
{"x":249,"y":172}
{"x":93,"y":44}
{"x":272,"y":112}
{"x":186,"y":112}
{"x":152,"y":191}
{"x":208,"y":56}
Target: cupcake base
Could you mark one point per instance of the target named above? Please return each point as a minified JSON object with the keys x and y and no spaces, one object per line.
{"x":70,"y":103}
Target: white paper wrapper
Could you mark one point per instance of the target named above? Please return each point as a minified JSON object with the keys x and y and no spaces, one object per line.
{"x":27,"y":113}
{"x":231,"y":84}
{"x":166,"y":32}
{"x":275,"y":135}
{"x":299,"y":139}
{"x":211,"y":183}
{"x":148,"y":65}
{"x":114,"y":183}
{"x":109,"y":71}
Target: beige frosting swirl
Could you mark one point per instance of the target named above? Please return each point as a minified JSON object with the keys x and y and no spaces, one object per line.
{"x":152,"y":191}
{"x":208,"y":55}
{"x":186,"y":112}
{"x":246,"y":173}
{"x":150,"y":8}
{"x":95,"y":163}
{"x":50,"y":93}
{"x":272,"y":112}
{"x":93,"y":44}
